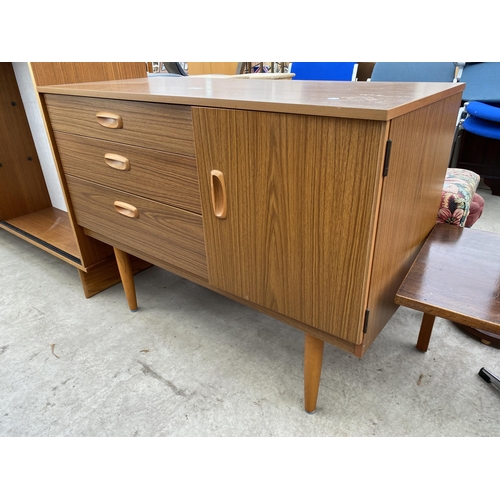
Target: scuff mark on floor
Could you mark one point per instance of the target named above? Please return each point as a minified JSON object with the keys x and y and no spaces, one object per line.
{"x":52,"y":346}
{"x":147,"y":370}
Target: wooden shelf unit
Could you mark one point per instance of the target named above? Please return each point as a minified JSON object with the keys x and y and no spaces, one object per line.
{"x":49,"y":229}
{"x":25,"y":206}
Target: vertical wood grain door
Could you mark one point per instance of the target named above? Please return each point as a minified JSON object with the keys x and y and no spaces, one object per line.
{"x":289,"y":209}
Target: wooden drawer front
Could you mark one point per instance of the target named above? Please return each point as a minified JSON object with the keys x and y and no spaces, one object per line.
{"x":169,"y":234}
{"x":160,"y":176}
{"x":166,"y":127}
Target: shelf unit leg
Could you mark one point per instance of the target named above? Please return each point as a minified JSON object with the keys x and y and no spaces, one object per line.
{"x":127,"y":277}
{"x":425,"y":332}
{"x":313,"y":361}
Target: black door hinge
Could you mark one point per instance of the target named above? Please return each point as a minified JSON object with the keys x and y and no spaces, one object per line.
{"x":388,"y":147}
{"x":365,"y":324}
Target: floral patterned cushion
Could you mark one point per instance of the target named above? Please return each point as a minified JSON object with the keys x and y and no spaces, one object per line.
{"x":458,"y":191}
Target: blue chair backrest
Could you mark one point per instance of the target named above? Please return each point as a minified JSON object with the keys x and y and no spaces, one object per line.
{"x":482,"y":82}
{"x":413,"y":72}
{"x":336,"y":71}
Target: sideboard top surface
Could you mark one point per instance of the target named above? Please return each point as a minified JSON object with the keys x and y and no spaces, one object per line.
{"x":362,"y":100}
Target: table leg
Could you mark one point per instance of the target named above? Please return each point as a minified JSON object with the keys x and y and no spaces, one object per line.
{"x":127,"y":277}
{"x":425,"y":332}
{"x":313,"y":360}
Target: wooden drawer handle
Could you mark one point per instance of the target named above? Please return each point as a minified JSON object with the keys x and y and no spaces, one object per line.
{"x":126,"y":209}
{"x":117,"y":162}
{"x":109,"y":120}
{"x":219,"y":199}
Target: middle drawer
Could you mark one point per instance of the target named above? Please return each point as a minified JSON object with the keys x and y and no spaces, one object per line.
{"x":160,"y":176}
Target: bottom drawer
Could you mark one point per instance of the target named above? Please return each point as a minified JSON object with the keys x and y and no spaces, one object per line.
{"x":172,"y":235}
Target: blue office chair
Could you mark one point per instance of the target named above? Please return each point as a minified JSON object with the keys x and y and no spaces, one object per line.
{"x":477,"y":147}
{"x":482,"y":82}
{"x":482,"y":97}
{"x":335,"y":71}
{"x":414,"y":72}
{"x":483,"y":119}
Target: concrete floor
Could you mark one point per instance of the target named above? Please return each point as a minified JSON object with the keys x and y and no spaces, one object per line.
{"x":193,"y":363}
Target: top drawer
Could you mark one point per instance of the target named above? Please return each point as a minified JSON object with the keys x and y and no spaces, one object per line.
{"x":167,"y":127}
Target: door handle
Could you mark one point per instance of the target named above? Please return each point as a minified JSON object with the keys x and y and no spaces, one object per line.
{"x":109,"y":120}
{"x":126,"y":209}
{"x":219,"y":199}
{"x":117,"y":162}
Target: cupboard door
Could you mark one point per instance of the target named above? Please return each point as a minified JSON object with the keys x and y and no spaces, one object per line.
{"x":289,"y":207}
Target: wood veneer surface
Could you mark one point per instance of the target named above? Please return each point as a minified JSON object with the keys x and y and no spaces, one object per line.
{"x":421,"y":145}
{"x":50,"y":225}
{"x":160,"y":176}
{"x":301,"y":198}
{"x":365,"y":100}
{"x":467,"y":293}
{"x":91,"y":250}
{"x":204,"y":68}
{"x":22,"y":185}
{"x":55,"y":73}
{"x":150,"y":125}
{"x":167,"y":233}
{"x":105,"y":274}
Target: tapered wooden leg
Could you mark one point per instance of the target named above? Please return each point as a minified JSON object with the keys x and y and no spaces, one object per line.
{"x":313,"y":360}
{"x":425,"y":332}
{"x":127,"y":277}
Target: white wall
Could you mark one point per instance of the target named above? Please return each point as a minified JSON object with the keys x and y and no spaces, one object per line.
{"x":42,"y":145}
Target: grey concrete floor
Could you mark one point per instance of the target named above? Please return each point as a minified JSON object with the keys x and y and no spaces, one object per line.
{"x":193,"y":363}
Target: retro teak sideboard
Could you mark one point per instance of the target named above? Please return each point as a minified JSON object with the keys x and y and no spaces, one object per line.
{"x":305,"y":200}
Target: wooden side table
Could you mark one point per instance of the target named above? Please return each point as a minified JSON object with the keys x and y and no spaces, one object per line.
{"x":455,"y":276}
